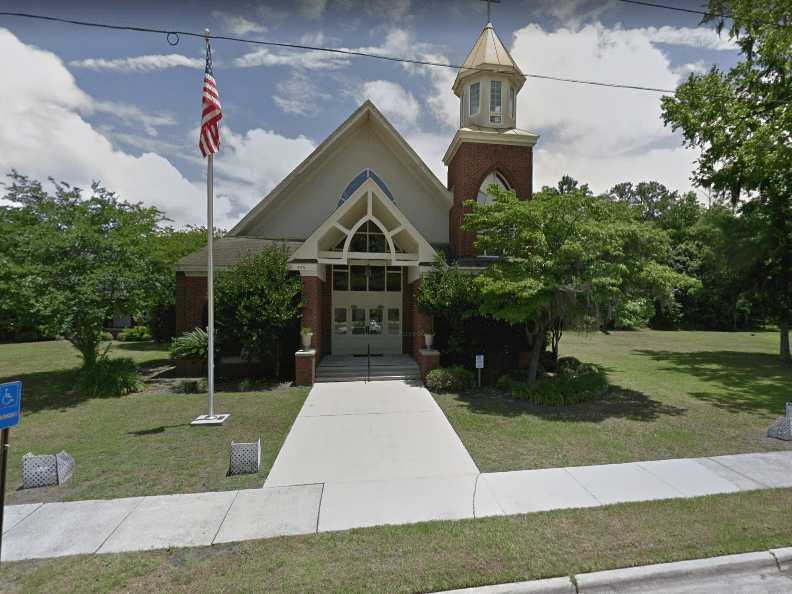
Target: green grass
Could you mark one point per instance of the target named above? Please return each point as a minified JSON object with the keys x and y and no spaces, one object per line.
{"x":436,"y":555}
{"x":673,"y":395}
{"x":140,"y":444}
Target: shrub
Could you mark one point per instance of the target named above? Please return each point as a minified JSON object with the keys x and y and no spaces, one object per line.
{"x":574,"y":384}
{"x":566,"y":364}
{"x":635,"y":313}
{"x":194,"y":386}
{"x":110,"y":377}
{"x":133,"y":334}
{"x":450,"y":379}
{"x":192,"y":345}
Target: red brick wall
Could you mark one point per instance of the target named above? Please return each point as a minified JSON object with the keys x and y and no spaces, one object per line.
{"x":190,"y":302}
{"x":466,"y":172}
{"x":327,"y":314}
{"x":312,"y":309}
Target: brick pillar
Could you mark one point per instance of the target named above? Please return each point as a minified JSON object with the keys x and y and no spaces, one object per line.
{"x":421,"y":323}
{"x":305,"y":367}
{"x":427,"y":360}
{"x":327,"y":315}
{"x":312,"y":309}
{"x":191,"y":301}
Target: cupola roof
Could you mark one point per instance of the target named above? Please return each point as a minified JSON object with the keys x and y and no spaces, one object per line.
{"x":489,"y":53}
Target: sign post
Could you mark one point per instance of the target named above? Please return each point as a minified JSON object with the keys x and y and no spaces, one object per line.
{"x":10,"y":407}
{"x":479,"y":367}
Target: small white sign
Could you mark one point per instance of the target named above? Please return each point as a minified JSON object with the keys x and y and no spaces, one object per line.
{"x":479,"y":361}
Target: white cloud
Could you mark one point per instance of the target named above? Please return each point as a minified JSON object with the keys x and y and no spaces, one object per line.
{"x":132,"y":115}
{"x":693,"y":37}
{"x":311,"y":60}
{"x":43,"y":134}
{"x":238,"y":25}
{"x":251,"y":164}
{"x":312,"y":9}
{"x":600,"y":135}
{"x":148,"y":63}
{"x":299,"y":95}
{"x":392,"y":99}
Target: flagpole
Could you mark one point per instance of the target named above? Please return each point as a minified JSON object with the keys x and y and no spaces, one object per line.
{"x":210,"y":418}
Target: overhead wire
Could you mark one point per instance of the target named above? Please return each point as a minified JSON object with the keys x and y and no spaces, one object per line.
{"x":172,"y":36}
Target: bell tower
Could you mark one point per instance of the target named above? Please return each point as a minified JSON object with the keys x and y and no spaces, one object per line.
{"x":488,"y":147}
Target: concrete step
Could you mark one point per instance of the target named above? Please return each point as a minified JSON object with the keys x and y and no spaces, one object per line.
{"x":363,"y":378}
{"x":352,"y":370}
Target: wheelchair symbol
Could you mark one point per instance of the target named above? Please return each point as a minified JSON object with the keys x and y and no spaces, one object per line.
{"x":7,"y":399}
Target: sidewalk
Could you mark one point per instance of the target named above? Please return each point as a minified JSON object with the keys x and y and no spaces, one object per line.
{"x":142,"y":523}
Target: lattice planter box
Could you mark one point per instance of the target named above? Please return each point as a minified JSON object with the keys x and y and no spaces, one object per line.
{"x":782,"y":428}
{"x":46,"y":470}
{"x":245,"y":458}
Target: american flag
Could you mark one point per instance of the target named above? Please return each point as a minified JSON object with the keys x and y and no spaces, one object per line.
{"x":212,"y":113}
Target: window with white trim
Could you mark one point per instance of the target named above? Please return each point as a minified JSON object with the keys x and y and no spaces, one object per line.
{"x":495,"y":179}
{"x":475,"y":98}
{"x":495,"y":101}
{"x":511,"y":101}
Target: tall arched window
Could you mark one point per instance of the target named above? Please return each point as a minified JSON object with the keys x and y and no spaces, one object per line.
{"x":493,"y":178}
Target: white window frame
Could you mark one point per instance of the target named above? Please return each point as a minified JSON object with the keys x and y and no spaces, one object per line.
{"x":512,"y":100}
{"x":496,"y":108}
{"x":478,"y":99}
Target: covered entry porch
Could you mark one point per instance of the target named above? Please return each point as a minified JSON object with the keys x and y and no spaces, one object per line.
{"x":361,"y":271}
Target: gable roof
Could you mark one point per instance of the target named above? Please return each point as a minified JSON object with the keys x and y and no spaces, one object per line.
{"x":367,"y":112}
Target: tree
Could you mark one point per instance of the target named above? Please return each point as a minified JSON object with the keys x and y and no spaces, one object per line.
{"x":562,"y":257}
{"x":447,"y":294}
{"x":741,"y":123}
{"x":82,"y":260}
{"x":257,"y":302}
{"x":168,"y":246}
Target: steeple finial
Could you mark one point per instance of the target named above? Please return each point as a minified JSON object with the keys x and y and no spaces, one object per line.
{"x":489,"y":5}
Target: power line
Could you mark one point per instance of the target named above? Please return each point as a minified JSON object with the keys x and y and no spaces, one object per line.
{"x":173,"y":36}
{"x":703,"y":13}
{"x":677,"y":8}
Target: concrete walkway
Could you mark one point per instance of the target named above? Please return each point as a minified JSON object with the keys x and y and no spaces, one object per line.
{"x":384,"y":451}
{"x":365,"y":455}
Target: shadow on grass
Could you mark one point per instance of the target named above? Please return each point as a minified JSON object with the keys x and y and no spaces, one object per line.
{"x":741,"y":382}
{"x":142,"y":346}
{"x":47,"y":390}
{"x":618,"y":403}
{"x":155,"y":430}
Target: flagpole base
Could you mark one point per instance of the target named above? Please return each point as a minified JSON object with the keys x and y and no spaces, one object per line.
{"x":217,"y":419}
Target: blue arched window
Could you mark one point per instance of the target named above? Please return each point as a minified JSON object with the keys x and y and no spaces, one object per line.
{"x":358,"y":181}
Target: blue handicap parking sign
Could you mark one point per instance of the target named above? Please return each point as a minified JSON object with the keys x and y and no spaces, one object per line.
{"x":10,"y":404}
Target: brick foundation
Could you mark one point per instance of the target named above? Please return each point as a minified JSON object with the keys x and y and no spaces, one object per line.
{"x":466,"y":172}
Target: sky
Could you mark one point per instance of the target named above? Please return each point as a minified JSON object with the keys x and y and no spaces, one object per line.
{"x":123,"y":108}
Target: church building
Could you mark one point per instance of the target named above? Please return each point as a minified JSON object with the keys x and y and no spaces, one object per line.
{"x":362,"y":217}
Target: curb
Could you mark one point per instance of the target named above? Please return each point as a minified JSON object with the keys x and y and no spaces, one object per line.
{"x":557,"y":585}
{"x":614,"y":580}
{"x":604,"y":581}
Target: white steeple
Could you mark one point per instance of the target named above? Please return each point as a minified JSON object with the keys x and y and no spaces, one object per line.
{"x":488,"y":83}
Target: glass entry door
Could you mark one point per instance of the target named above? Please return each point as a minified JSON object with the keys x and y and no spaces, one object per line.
{"x":367,"y":310}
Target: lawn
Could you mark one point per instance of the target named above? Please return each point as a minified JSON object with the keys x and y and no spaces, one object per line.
{"x":140,"y":444}
{"x":435,"y":555}
{"x":674,"y":395}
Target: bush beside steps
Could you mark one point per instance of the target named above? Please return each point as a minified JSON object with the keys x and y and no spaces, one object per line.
{"x":573,"y":382}
{"x":449,"y":379}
